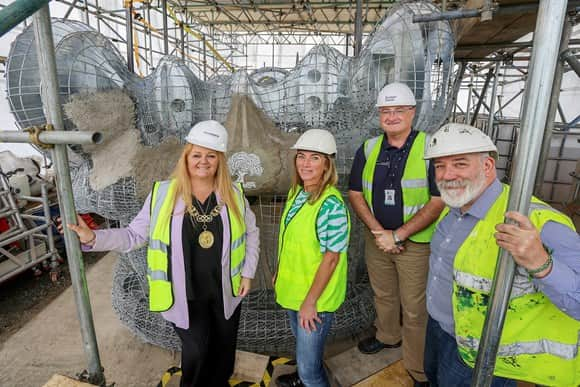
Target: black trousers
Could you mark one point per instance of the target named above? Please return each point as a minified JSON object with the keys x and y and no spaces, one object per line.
{"x":208,"y":347}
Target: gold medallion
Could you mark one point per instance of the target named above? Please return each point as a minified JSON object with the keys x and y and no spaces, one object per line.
{"x":205,"y":239}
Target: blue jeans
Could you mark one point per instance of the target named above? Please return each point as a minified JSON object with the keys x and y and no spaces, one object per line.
{"x":443,"y":365}
{"x":310,"y":349}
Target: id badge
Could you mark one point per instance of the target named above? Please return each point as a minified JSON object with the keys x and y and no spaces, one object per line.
{"x":389,"y":197}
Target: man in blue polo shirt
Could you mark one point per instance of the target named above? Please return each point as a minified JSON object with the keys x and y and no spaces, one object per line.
{"x":393,"y":192}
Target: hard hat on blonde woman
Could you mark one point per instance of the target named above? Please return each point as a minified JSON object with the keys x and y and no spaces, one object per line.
{"x":316,"y":140}
{"x":209,"y":134}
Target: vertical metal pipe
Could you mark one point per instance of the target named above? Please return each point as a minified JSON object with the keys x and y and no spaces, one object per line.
{"x":50,"y":237}
{"x":552,"y":109}
{"x":469,"y":96}
{"x":481,"y":97}
{"x":87,"y":19}
{"x":493,"y":97}
{"x":129,"y":27}
{"x":149,"y":37}
{"x":548,"y":31}
{"x":165,"y":37}
{"x":204,"y":58}
{"x":358,"y":28}
{"x":52,"y":107}
{"x":97,"y":14}
{"x":456,"y":87}
{"x":212,"y":34}
{"x":186,"y":45}
{"x":246,"y":52}
{"x":273,"y":48}
{"x":182,"y":38}
{"x":346,"y":45}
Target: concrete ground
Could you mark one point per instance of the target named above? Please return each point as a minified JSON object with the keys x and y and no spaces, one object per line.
{"x":51,"y":342}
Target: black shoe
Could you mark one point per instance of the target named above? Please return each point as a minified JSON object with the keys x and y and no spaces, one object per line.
{"x":289,"y":380}
{"x":417,"y":383}
{"x":371,"y":345}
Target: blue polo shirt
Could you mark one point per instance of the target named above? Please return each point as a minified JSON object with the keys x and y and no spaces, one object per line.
{"x":388,"y":174}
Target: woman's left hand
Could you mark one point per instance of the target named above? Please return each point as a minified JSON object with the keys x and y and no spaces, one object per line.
{"x":308,"y":317}
{"x":245,"y":287}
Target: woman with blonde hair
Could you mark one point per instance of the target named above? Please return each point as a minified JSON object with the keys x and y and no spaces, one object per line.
{"x":202,"y":253}
{"x":312,"y":263}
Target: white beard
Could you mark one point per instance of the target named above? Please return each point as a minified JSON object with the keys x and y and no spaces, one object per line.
{"x":457,"y":199}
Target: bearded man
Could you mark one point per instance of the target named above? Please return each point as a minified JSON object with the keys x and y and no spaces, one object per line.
{"x":540,"y":337}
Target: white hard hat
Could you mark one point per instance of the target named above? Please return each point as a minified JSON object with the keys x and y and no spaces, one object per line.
{"x":209,"y":134}
{"x":396,"y":94}
{"x":316,"y":140}
{"x":457,"y":139}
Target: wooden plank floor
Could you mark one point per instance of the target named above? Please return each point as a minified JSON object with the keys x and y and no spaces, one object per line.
{"x":394,"y":375}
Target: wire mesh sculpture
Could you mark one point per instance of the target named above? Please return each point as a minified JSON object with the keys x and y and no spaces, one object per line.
{"x":326,"y":89}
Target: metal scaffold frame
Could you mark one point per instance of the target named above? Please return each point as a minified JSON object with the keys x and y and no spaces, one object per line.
{"x":212,"y":46}
{"x":482,"y":81}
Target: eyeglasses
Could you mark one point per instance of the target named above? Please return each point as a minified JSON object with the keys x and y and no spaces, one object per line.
{"x":397,"y":112}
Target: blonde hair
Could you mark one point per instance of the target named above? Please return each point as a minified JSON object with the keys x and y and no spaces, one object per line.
{"x":222,"y":182}
{"x":329,"y":178}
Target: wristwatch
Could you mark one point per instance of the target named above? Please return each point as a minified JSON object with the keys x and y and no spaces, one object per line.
{"x":398,"y":241}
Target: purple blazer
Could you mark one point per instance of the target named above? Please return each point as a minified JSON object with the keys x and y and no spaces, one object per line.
{"x":136,"y":235}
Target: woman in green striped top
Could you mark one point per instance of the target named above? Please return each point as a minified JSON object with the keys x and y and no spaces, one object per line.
{"x":310,"y":282}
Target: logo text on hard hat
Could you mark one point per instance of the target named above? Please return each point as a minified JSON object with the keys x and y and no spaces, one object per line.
{"x":211,"y":134}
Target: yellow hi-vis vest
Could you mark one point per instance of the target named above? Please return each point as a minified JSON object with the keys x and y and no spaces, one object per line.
{"x":158,"y":257}
{"x":299,"y":257}
{"x":539,"y":343}
{"x":414,"y":183}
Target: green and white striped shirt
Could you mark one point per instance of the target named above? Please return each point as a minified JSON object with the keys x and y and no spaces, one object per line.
{"x":331,"y":224}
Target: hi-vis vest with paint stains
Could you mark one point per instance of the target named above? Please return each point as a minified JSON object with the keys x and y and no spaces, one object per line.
{"x":414,"y":184}
{"x":158,"y":259}
{"x":539,"y":342}
{"x":299,"y":257}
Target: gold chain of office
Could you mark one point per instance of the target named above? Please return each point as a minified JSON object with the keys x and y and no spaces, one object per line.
{"x":206,"y":237}
{"x":205,"y":217}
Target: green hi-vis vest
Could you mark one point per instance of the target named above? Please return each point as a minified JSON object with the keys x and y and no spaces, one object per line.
{"x":414,"y":184}
{"x":299,"y":257}
{"x":539,"y":343}
{"x":158,"y":260}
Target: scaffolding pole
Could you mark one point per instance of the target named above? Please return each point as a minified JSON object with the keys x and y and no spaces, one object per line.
{"x":358,"y":28}
{"x":490,"y":118}
{"x":552,"y":109}
{"x":548,"y":31}
{"x":129,"y":35}
{"x":165,"y":37}
{"x":52,"y":109}
{"x":481,"y":97}
{"x":456,"y":86}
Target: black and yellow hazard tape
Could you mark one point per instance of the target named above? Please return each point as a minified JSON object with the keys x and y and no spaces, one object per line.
{"x":170,"y":373}
{"x":272,"y":362}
